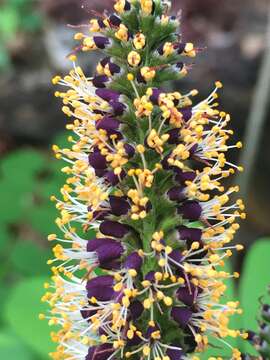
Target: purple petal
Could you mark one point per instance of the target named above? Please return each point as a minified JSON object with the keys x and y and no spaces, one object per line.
{"x":182,"y":176}
{"x":150,"y":276}
{"x":115,"y":179}
{"x":97,"y":161}
{"x":119,"y":205}
{"x":101,"y":41}
{"x":136,"y":309}
{"x":101,"y":287}
{"x":150,"y":330}
{"x":176,"y":255}
{"x":155,"y":95}
{"x":117,"y":107}
{"x":107,"y":94}
{"x":190,"y":210}
{"x":110,"y":251}
{"x":187,"y":113}
{"x":108,"y":123}
{"x":175,"y":354}
{"x":130,"y":151}
{"x":94,"y":244}
{"x":115,"y":20}
{"x":133,"y":261}
{"x":113,"y":228}
{"x":181,"y":315}
{"x":174,"y":136}
{"x":114,"y":69}
{"x":101,"y":352}
{"x":180,"y":48}
{"x":176,"y":194}
{"x":99,"y":81}
{"x":187,"y":295}
{"x":190,"y":234}
{"x":105,"y":61}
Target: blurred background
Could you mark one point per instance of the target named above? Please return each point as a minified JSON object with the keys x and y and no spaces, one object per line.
{"x":34,"y":41}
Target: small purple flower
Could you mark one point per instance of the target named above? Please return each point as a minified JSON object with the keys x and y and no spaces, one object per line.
{"x":108,"y":95}
{"x":119,"y":205}
{"x":174,"y":136}
{"x":101,"y":352}
{"x":107,"y":250}
{"x":155,"y":95}
{"x":176,"y":194}
{"x":117,"y":107}
{"x":150,"y":330}
{"x":180,"y":48}
{"x":101,"y":42}
{"x":115,"y":20}
{"x":190,"y":210}
{"x":187,"y":113}
{"x":189,"y":234}
{"x":97,"y":161}
{"x":182,"y":315}
{"x":113,"y":228}
{"x":100,"y":81}
{"x":101,"y":287}
{"x":176,"y":256}
{"x":175,"y":354}
{"x":133,"y":261}
{"x":136,"y":309}
{"x":114,"y":179}
{"x":108,"y":123}
{"x":187,"y":294}
{"x":130,"y":151}
{"x":183,"y":176}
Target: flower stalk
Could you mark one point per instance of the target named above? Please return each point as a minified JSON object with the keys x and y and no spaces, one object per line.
{"x":145,"y":169}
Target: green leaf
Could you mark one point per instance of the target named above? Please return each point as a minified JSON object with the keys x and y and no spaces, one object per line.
{"x":9,"y":22}
{"x":12,"y":348}
{"x":4,"y":236}
{"x":254,"y":281}
{"x":21,"y":314}
{"x":25,"y":250}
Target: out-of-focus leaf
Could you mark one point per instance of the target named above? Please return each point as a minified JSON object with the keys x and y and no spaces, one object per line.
{"x":22,"y":164}
{"x":29,"y":259}
{"x":12,"y":348}
{"x":42,"y":219}
{"x":21,"y":314}
{"x":255,"y":279}
{"x":9,"y":21}
{"x":3,"y":236}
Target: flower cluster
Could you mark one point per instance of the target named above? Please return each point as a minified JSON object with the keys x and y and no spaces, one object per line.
{"x":144,"y":175}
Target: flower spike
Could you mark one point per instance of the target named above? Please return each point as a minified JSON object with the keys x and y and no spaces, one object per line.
{"x":146,"y":220}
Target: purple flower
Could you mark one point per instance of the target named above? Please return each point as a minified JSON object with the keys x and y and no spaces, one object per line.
{"x":187,"y":113}
{"x":189,"y":234}
{"x":175,"y":354}
{"x":150,"y":330}
{"x":114,"y":179}
{"x":113,"y":228}
{"x":101,"y":42}
{"x":101,"y":287}
{"x":176,"y":194}
{"x":108,"y":95}
{"x":108,"y":123}
{"x":100,"y":81}
{"x":182,"y":315}
{"x":190,"y":210}
{"x":176,"y":256}
{"x":180,"y":48}
{"x":97,"y":161}
{"x":183,"y":176}
{"x":187,"y":294}
{"x":136,"y":309}
{"x":115,"y":20}
{"x":101,"y":352}
{"x":133,"y":261}
{"x":155,"y":95}
{"x":130,"y":151}
{"x":107,"y":250}
{"x":119,"y":205}
{"x":174,"y":136}
{"x":117,"y":107}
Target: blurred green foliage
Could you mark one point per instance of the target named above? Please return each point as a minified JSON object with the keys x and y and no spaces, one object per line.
{"x":27,"y":179}
{"x":16,"y":16}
